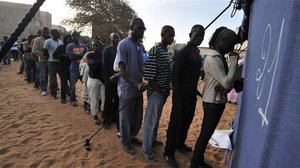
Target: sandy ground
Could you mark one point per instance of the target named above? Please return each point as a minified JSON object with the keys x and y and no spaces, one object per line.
{"x":37,"y":131}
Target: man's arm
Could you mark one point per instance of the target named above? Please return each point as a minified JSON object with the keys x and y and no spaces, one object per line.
{"x":177,"y":73}
{"x":123,"y":73}
{"x":151,"y":69}
{"x":36,"y":48}
{"x":105,"y":67}
{"x":59,"y":51}
{"x":46,"y":53}
{"x":45,"y":50}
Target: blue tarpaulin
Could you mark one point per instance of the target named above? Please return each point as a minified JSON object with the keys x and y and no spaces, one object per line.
{"x":267,"y":126}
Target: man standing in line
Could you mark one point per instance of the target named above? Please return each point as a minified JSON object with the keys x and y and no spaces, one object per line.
{"x":75,"y":52}
{"x":6,"y":58}
{"x":36,"y":61}
{"x":64,"y":64}
{"x":157,"y":73}
{"x":29,"y":60}
{"x":130,"y":84}
{"x":14,"y":51}
{"x":37,"y":50}
{"x":111,"y":104}
{"x":53,"y":64}
{"x":185,"y":76}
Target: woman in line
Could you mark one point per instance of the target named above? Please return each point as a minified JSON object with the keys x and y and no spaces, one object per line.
{"x":219,"y":80}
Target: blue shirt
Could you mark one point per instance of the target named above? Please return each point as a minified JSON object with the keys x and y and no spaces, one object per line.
{"x":131,"y":54}
{"x":75,"y":52}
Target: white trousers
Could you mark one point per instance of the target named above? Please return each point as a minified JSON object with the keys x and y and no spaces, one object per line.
{"x":96,"y":91}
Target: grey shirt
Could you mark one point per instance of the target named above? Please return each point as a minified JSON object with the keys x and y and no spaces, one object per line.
{"x":215,"y":73}
{"x":37,"y":48}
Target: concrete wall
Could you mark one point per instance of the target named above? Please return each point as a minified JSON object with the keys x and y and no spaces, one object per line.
{"x":46,"y":19}
{"x":11,"y":14}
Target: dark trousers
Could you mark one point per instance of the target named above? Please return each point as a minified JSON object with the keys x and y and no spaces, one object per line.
{"x":111,"y":104}
{"x":212,"y":116}
{"x":22,"y":67}
{"x":30,"y":70}
{"x":37,"y":75}
{"x":180,"y":120}
{"x":53,"y":71}
{"x":6,"y":59}
{"x":15,"y":54}
{"x":64,"y":75}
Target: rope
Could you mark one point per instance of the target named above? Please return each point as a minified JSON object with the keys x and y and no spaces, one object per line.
{"x":21,"y":27}
{"x":219,"y":15}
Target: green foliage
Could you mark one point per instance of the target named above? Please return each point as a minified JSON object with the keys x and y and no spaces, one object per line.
{"x":103,"y":16}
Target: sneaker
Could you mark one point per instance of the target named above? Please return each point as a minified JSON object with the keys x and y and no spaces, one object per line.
{"x":74,"y":104}
{"x":63,"y":101}
{"x":171,"y":160}
{"x":43,"y":93}
{"x":119,"y":134}
{"x":157,"y":143}
{"x":128,"y":149}
{"x":35,"y":88}
{"x":149,"y":156}
{"x":184,"y":148}
{"x":136,"y":141}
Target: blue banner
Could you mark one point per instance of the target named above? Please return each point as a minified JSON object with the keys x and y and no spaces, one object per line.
{"x":267,"y":127}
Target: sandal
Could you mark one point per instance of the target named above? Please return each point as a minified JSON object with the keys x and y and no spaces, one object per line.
{"x":96,"y":120}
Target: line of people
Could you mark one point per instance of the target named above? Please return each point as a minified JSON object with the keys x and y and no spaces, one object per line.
{"x":121,"y":101}
{"x":156,"y":77}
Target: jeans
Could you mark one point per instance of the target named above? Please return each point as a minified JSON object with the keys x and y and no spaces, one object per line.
{"x":37,"y":75}
{"x":53,"y":71}
{"x":131,"y":116}
{"x":152,"y":116}
{"x":211,"y":118}
{"x":43,"y":75}
{"x":73,"y":80}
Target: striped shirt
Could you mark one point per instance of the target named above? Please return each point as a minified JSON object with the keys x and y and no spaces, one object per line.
{"x":158,"y":69}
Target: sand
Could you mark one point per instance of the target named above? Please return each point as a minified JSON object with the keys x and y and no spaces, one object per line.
{"x":37,"y":131}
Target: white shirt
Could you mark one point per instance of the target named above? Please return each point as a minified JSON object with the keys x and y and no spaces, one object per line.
{"x":51,"y":46}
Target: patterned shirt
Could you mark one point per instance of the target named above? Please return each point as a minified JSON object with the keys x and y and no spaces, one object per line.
{"x":158,"y":69}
